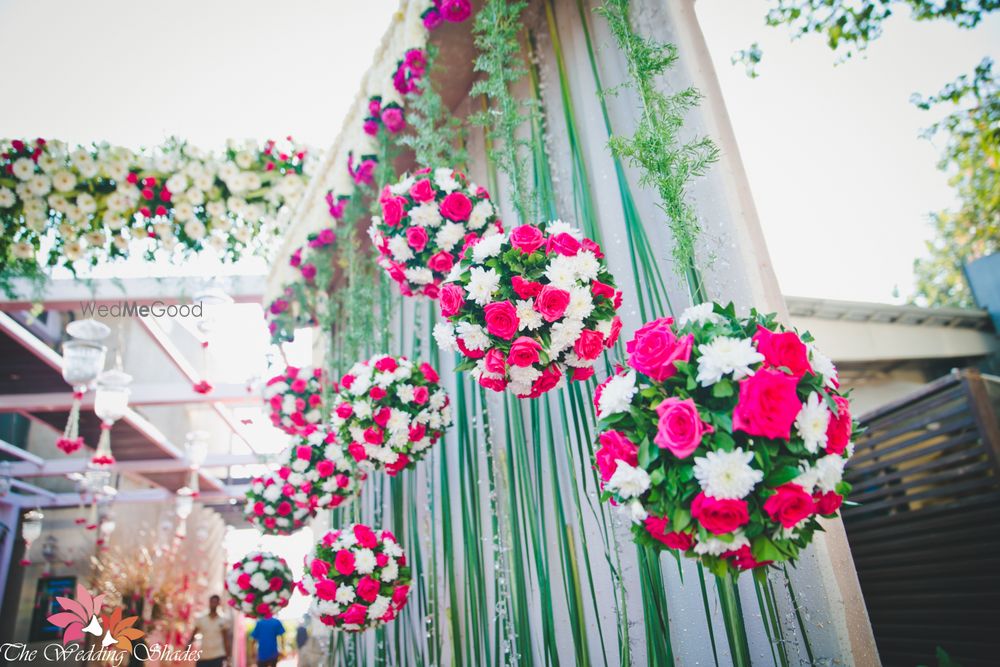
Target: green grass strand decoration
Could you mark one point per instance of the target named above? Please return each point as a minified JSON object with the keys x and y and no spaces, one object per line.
{"x":438,"y":138}
{"x":732,"y":617}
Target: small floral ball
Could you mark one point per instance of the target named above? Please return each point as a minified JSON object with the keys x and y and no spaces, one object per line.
{"x":271,"y":506}
{"x":357,"y":577}
{"x":320,"y":470}
{"x":304,"y":297}
{"x":389,"y":412}
{"x":260,"y":584}
{"x":725,"y":437}
{"x":295,"y":399}
{"x":530,"y":309}
{"x":428,"y":220}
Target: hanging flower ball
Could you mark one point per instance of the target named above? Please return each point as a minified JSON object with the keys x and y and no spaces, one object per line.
{"x":530,"y":308}
{"x":321,"y":472}
{"x":726,"y":438}
{"x":301,"y":299}
{"x":428,"y":220}
{"x":389,"y":411}
{"x":260,"y":584}
{"x":271,"y":506}
{"x":296,"y":399}
{"x":357,"y":577}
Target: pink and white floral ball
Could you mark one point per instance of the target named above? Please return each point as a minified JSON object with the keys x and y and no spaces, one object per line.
{"x":530,"y":309}
{"x":260,"y":585}
{"x":295,"y":399}
{"x":428,"y":220}
{"x":271,"y":507}
{"x":390,"y":411}
{"x":357,"y":577}
{"x":725,"y":437}
{"x":321,"y":472}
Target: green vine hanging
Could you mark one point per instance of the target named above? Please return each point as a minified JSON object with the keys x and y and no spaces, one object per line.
{"x":438,"y":138}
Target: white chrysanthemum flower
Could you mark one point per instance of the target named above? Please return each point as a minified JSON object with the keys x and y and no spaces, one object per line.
{"x":259,"y":581}
{"x":713,"y":546}
{"x":637,"y":511}
{"x":419,"y":276}
{"x":444,"y":179}
{"x":581,"y":304}
{"x":250,"y":566}
{"x":378,"y":608}
{"x":483,"y":283}
{"x":617,"y":395}
{"x":23,"y":168}
{"x":829,"y":472}
{"x":23,"y":250}
{"x":823,"y":365}
{"x":811,"y":423}
{"x":390,"y":572}
{"x":725,"y":355}
{"x":586,"y":265}
{"x":488,"y":247}
{"x":559,"y":227}
{"x":725,"y":475}
{"x":39,"y":185}
{"x":450,"y":235}
{"x":400,"y":249}
{"x":564,"y":334}
{"x":195,"y":229}
{"x":701,"y":314}
{"x":426,"y":215}
{"x":444,"y":335}
{"x":628,"y":482}
{"x":364,"y":561}
{"x":402,"y":187}
{"x":473,"y":336}
{"x":345,"y":594}
{"x":7,"y":198}
{"x":86,"y":203}
{"x":561,"y":272}
{"x":481,"y":212}
{"x":530,"y":318}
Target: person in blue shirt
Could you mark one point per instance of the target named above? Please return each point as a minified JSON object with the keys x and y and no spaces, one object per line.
{"x":266,"y":634}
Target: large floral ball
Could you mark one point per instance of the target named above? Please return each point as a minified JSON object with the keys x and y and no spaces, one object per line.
{"x":389,"y":411}
{"x":271,"y":507}
{"x":295,"y":399}
{"x":427,"y":221}
{"x":357,"y":577}
{"x":260,"y":584}
{"x":530,"y":308}
{"x":726,"y":437}
{"x":321,"y":472}
{"x":305,"y":297}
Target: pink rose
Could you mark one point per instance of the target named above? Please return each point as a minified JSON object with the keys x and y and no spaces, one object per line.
{"x":501,"y":319}
{"x":838,"y":431}
{"x":597,"y":288}
{"x":299,"y":386}
{"x":284,"y":508}
{"x":456,"y":206}
{"x":455,"y":11}
{"x":719,"y":516}
{"x":547,"y":380}
{"x":417,"y":432}
{"x":581,"y":373}
{"x":303,"y":452}
{"x":429,"y":373}
{"x":524,"y":352}
{"x":324,"y":468}
{"x":589,"y":345}
{"x":264,"y":609}
{"x":357,"y":451}
{"x":552,"y":303}
{"x":399,"y":595}
{"x":393,"y":210}
{"x":525,"y":289}
{"x":441,"y":262}
{"x":374,"y":435}
{"x":421,"y":395}
{"x":377,"y":393}
{"x":392,"y":118}
{"x":432,"y":19}
{"x":657,"y":528}
{"x":767,"y":404}
{"x":344,"y":562}
{"x":680,"y":428}
{"x":493,"y":383}
{"x":368,"y":589}
{"x":655,"y":347}
{"x":527,"y":238}
{"x":743,"y":558}
{"x":616,"y":329}
{"x":392,"y":469}
{"x":243,"y":581}
{"x":783,"y":349}
{"x":615,"y":447}
{"x":382,"y":416}
{"x":789,"y":505}
{"x":471,"y":354}
{"x":365,"y":536}
{"x":344,"y":410}
{"x":319,"y":568}
{"x":422,"y":190}
{"x":827,"y":503}
{"x":494,"y":361}
{"x":277,"y":583}
{"x":386,"y":365}
{"x":416,"y":238}
{"x":451,"y":298}
{"x":563,"y":244}
{"x":355,"y":614}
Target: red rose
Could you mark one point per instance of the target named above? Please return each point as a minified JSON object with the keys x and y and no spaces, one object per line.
{"x":593,"y":247}
{"x":277,"y":583}
{"x":422,"y":190}
{"x":827,"y":503}
{"x":527,"y":238}
{"x":552,"y":302}
{"x":382,"y":416}
{"x":355,"y":614}
{"x":501,"y":319}
{"x":421,"y":395}
{"x":767,"y":404}
{"x":392,"y":469}
{"x":243,"y":581}
{"x":493,"y":383}
{"x":365,"y":536}
{"x":471,"y":354}
{"x":524,"y":352}
{"x":456,"y":206}
{"x":303,"y":452}
{"x":319,"y":568}
{"x":789,"y":505}
{"x":657,"y":528}
{"x":393,"y":210}
{"x":451,"y":298}
{"x":416,"y":238}
{"x":429,"y":373}
{"x":719,"y":516}
{"x":344,"y":410}
{"x":344,"y":562}
{"x":386,"y":365}
{"x":589,"y":345}
{"x":324,"y":468}
{"x":655,"y":347}
{"x":615,"y":447}
{"x":374,"y":435}
{"x":597,"y":288}
{"x":616,"y":330}
{"x":326,"y":589}
{"x":838,"y":431}
{"x":563,"y":244}
{"x":367,"y":589}
{"x":441,"y":262}
{"x":583,"y":373}
{"x":495,"y":362}
{"x":417,"y":432}
{"x":783,"y":349}
{"x":743,"y":558}
{"x":399,"y":595}
{"x":525,"y":289}
{"x":284,"y":509}
{"x":547,"y":380}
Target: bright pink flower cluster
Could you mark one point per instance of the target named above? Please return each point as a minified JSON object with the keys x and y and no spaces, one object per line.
{"x":726,"y":437}
{"x":452,"y":11}
{"x":362,"y":169}
{"x":301,"y":298}
{"x":320,"y":471}
{"x":389,"y":412}
{"x":260,"y":584}
{"x":428,"y":220}
{"x":295,"y":399}
{"x":409,"y":71}
{"x":390,"y":116}
{"x":271,"y":508}
{"x":530,"y":309}
{"x":357,"y":577}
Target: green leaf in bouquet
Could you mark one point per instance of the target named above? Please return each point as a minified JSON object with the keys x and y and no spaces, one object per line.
{"x":764,"y":549}
{"x":691,"y":383}
{"x":465,"y":365}
{"x":717,"y":566}
{"x":657,"y":476}
{"x":723,"y":388}
{"x":647,"y":452}
{"x":781,"y":475}
{"x":680,"y":519}
{"x":722,"y":439}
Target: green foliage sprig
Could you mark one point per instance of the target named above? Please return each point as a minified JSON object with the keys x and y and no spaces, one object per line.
{"x":438,"y":138}
{"x":666,"y":163}
{"x":496,"y":36}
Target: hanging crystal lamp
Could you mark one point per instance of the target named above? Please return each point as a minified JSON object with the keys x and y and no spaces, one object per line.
{"x":83,"y":360}
{"x":31,"y":530}
{"x":110,"y":405}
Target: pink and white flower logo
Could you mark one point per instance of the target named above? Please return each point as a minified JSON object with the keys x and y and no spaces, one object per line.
{"x":82,"y":616}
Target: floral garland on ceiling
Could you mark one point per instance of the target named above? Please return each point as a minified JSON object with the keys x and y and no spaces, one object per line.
{"x":100,"y":203}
